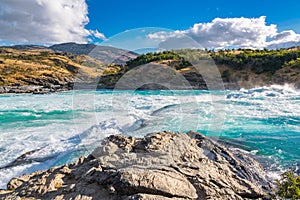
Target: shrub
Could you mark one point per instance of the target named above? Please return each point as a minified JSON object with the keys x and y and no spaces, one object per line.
{"x":158,"y":56}
{"x":288,"y":186}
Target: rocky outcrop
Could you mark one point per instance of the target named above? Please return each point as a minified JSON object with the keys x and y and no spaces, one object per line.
{"x":36,"y":89}
{"x":160,"y":166}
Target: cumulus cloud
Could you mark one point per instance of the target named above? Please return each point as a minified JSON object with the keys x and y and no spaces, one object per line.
{"x":234,"y":33}
{"x":284,"y":39}
{"x":45,"y":21}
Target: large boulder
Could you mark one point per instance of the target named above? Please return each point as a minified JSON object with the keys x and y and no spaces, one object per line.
{"x":160,"y":166}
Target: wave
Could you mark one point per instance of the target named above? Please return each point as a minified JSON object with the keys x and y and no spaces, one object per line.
{"x":163,"y":108}
{"x":7,"y":116}
{"x":67,"y":150}
{"x":264,"y":92}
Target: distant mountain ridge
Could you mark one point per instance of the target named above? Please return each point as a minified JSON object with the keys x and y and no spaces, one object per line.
{"x":105,"y":54}
{"x":74,"y":48}
{"x":25,"y":47}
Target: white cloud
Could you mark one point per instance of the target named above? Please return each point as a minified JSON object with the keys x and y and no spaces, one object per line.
{"x":284,"y":39}
{"x":163,"y":35}
{"x":97,"y":34}
{"x":233,"y":32}
{"x":45,"y":21}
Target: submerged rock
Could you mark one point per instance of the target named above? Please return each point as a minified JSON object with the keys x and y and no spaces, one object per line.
{"x":160,"y":166}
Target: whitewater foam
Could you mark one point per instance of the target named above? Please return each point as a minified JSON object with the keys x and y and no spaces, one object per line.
{"x":263,"y":120}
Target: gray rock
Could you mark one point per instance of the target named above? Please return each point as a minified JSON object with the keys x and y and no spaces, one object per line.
{"x":160,"y":181}
{"x":34,"y":89}
{"x":151,"y":197}
{"x":160,"y":166}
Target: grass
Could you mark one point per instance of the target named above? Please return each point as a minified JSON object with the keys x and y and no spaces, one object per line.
{"x":24,"y":67}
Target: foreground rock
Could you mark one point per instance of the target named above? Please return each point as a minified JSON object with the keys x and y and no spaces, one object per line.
{"x":160,"y":166}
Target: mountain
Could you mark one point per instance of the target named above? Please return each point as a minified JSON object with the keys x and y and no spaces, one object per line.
{"x":105,"y":54}
{"x":26,"y":47}
{"x":77,"y":49}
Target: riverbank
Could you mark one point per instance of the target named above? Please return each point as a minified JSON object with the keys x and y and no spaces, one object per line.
{"x":34,"y":89}
{"x":37,"y":89}
{"x":164,"y":165}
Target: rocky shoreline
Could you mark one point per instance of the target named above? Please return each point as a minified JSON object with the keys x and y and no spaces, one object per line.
{"x":34,"y":89}
{"x":160,"y":166}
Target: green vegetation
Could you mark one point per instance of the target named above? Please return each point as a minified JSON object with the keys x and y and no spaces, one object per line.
{"x":289,"y":186}
{"x":159,"y":56}
{"x":293,"y":63}
{"x":259,"y":61}
{"x":112,"y":69}
{"x":248,"y":68}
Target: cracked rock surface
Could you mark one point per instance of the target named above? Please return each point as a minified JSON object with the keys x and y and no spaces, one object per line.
{"x":160,"y":166}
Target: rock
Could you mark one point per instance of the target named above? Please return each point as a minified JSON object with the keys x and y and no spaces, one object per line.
{"x":160,"y":166}
{"x":159,"y":181}
{"x":151,"y":197}
{"x":17,"y":182}
{"x":35,"y":89}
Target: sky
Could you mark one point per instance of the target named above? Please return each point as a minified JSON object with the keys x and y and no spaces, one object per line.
{"x":213,"y":24}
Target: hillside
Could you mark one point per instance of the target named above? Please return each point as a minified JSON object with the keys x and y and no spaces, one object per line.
{"x":21,"y":70}
{"x":38,"y":69}
{"x":41,"y":69}
{"x":243,"y":68}
{"x":105,"y":54}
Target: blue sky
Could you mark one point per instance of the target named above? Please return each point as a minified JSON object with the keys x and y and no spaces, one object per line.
{"x":112,"y":17}
{"x":213,"y":24}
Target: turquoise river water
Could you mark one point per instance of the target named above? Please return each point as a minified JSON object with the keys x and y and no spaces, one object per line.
{"x":61,"y":126}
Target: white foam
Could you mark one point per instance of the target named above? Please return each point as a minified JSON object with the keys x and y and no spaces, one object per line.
{"x":7,"y":174}
{"x":97,"y":115}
